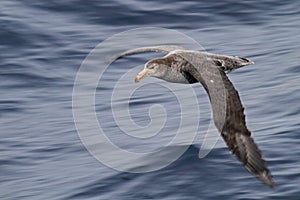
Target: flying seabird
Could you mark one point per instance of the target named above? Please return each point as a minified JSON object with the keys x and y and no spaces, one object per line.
{"x":189,"y":66}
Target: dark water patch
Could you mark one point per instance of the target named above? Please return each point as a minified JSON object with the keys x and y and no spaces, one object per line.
{"x":105,"y":185}
{"x":7,"y":108}
{"x":295,"y":70}
{"x":29,"y":80}
{"x":11,"y":37}
{"x":23,"y":36}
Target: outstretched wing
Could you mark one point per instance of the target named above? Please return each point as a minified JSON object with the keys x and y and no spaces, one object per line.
{"x":165,"y":49}
{"x":226,"y":63}
{"x":228,"y":113}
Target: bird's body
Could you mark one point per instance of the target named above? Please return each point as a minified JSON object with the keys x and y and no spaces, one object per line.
{"x":187,"y":67}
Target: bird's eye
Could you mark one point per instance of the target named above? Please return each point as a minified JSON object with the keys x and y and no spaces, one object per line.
{"x":152,"y":66}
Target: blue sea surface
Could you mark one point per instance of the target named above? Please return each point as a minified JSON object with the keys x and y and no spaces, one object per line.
{"x":44,"y":43}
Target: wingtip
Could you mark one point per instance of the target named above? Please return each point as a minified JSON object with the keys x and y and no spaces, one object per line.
{"x":267,"y":179}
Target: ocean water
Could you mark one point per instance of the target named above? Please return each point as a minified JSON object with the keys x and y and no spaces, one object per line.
{"x":43,"y":46}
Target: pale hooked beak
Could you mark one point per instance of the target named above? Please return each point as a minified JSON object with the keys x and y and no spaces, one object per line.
{"x":141,"y":75}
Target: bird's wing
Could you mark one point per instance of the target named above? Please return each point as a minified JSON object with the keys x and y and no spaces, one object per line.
{"x":228,"y":113}
{"x":165,"y":49}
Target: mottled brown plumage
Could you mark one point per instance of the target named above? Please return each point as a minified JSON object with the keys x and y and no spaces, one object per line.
{"x":184,"y":66}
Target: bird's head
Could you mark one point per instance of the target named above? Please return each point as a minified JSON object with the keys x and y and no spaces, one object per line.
{"x":155,"y":68}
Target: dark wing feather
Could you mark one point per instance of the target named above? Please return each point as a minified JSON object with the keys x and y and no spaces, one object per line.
{"x":228,"y":114}
{"x":165,"y":49}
